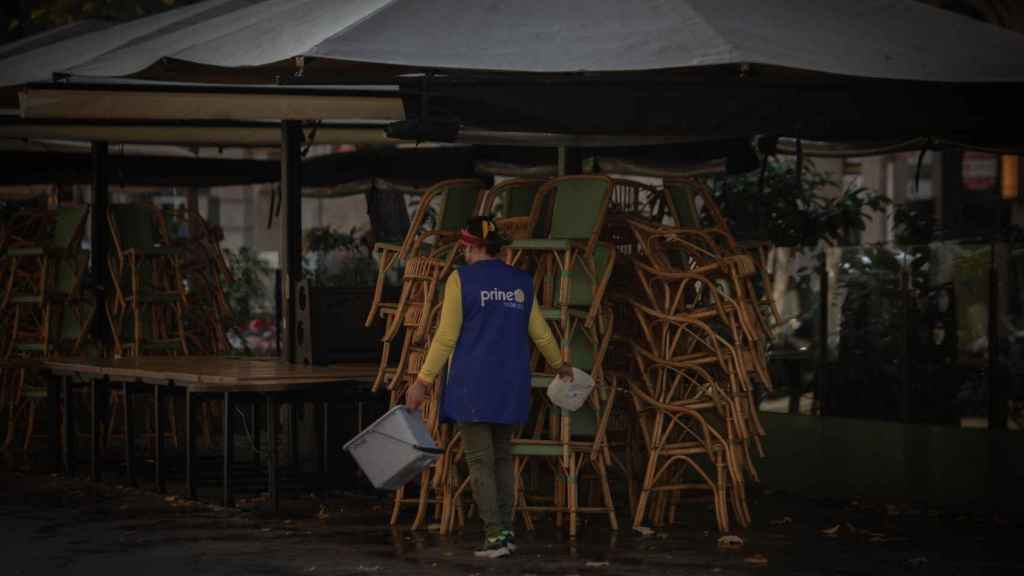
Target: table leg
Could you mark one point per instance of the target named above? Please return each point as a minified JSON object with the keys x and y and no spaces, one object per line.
{"x":293,"y":433}
{"x":94,"y":439}
{"x":272,"y":487}
{"x":191,"y":432}
{"x":159,"y":424}
{"x":255,"y":433}
{"x":229,"y":447}
{"x":53,"y":437}
{"x":129,"y":434}
{"x":320,"y":420}
{"x":69,"y":428}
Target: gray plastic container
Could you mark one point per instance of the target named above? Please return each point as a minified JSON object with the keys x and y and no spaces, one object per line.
{"x":394,"y":449}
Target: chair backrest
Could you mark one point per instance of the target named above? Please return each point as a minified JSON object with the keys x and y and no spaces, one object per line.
{"x":69,"y":222}
{"x":578,"y":207}
{"x":459,"y":204}
{"x":681,"y":198}
{"x":514,"y":197}
{"x":134,"y":226}
{"x":68,"y":273}
{"x":74,"y":320}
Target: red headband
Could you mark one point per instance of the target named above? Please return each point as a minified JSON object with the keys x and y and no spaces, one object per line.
{"x":466,"y":237}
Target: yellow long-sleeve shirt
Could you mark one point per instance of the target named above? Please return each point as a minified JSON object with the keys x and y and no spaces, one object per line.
{"x":448,"y":330}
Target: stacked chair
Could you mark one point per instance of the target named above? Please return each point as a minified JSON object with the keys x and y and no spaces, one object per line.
{"x":44,"y":311}
{"x":146,"y":310}
{"x":426,"y":256}
{"x":571,"y":270}
{"x":698,"y":361}
{"x":147,"y":307}
{"x":205,"y":272}
{"x":647,"y":289}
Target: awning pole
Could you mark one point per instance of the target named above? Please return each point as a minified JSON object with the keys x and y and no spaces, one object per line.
{"x":290,"y":251}
{"x":100,"y":242}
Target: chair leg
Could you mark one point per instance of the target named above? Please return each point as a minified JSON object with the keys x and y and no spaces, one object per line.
{"x":399,"y":495}
{"x":115,"y":401}
{"x":31,"y":425}
{"x":173,"y":422}
{"x":606,"y":491}
{"x":11,"y":426}
{"x":421,"y":507}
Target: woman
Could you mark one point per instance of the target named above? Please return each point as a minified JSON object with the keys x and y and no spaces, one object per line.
{"x":488,"y":312}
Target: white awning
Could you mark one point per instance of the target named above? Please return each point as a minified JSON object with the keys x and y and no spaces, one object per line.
{"x":893,"y":39}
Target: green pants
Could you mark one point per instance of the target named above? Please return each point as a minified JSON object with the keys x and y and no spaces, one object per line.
{"x":491,"y":472}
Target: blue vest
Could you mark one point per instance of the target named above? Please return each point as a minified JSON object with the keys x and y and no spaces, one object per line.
{"x":489,"y":371}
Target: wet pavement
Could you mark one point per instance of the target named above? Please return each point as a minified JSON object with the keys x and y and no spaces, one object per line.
{"x":52,"y":525}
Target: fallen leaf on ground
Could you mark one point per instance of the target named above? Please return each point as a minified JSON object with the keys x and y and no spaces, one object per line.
{"x":730,"y":541}
{"x":644,"y":530}
{"x":756,"y":559}
{"x":782,"y":521}
{"x":833,"y":531}
{"x":597,"y":564}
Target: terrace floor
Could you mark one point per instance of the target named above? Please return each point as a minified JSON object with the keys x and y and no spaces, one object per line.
{"x":52,"y":525}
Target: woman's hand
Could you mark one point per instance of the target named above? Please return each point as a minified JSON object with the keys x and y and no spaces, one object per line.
{"x":416,"y":393}
{"x":565,"y":371}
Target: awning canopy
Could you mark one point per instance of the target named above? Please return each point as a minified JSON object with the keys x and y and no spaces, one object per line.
{"x":687,"y":70}
{"x":891,"y":39}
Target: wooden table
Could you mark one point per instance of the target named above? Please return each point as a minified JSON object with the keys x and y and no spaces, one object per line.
{"x":197,"y":377}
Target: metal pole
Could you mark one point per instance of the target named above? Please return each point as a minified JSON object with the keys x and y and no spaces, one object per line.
{"x":570,"y":161}
{"x":822,"y":356}
{"x":100,"y":240}
{"x":290,"y":254}
{"x":997,"y":401}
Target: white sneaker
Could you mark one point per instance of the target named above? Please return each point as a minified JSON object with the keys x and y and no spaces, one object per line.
{"x":493,"y":548}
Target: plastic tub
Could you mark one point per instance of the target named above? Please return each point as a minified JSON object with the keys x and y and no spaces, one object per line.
{"x":394,"y":449}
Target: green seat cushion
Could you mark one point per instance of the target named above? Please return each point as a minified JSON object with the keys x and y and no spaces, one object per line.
{"x":536,"y":449}
{"x":36,"y":392}
{"x":541,"y":244}
{"x":24,"y":299}
{"x":541,"y":381}
{"x":551,"y":313}
{"x":26,"y":251}
{"x":30,"y":347}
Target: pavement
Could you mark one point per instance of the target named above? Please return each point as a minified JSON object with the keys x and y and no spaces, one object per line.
{"x":53,"y":525}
